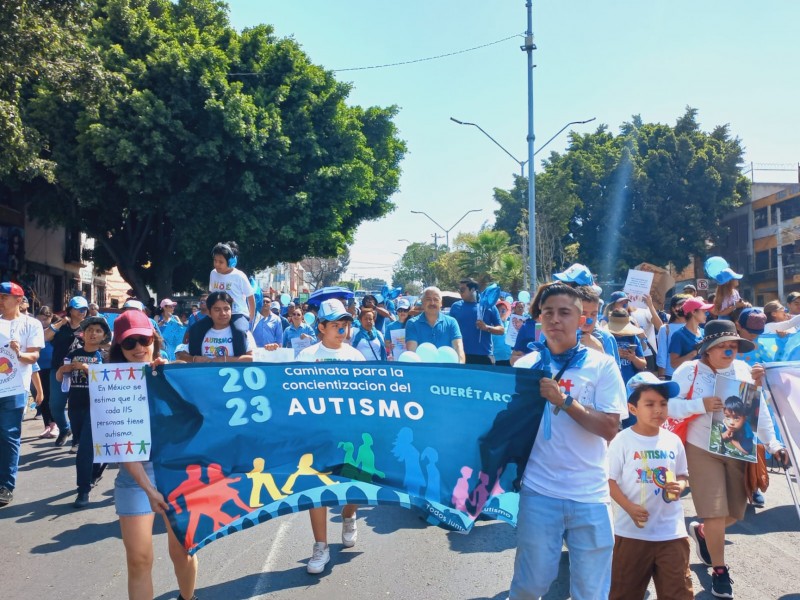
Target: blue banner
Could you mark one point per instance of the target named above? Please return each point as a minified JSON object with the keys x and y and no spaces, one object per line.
{"x":237,"y":445}
{"x":771,"y":347}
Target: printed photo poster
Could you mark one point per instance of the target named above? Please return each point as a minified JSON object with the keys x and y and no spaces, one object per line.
{"x":733,"y":430}
{"x":398,"y":341}
{"x":515,"y":323}
{"x":120,"y":412}
{"x":637,"y":285}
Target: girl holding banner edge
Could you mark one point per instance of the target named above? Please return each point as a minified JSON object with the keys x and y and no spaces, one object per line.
{"x":136,"y":498}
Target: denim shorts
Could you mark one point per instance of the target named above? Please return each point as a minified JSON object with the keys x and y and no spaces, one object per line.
{"x":130,"y":500}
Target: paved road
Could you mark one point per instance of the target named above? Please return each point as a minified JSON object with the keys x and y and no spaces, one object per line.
{"x":49,"y":550}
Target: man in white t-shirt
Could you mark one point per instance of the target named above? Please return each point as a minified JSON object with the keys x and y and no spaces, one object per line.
{"x":25,"y":339}
{"x":565,"y":495}
{"x":334,"y":324}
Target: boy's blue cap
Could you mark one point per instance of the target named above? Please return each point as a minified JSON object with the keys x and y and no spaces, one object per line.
{"x":647,"y":378}
{"x":578,"y":274}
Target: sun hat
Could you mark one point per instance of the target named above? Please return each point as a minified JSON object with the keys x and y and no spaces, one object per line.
{"x":131,"y":322}
{"x":578,"y":274}
{"x":333,"y":310}
{"x":722,"y":330}
{"x":167,"y":302}
{"x":620,"y":324}
{"x":697,"y":303}
{"x":648,"y":378}
{"x":752,"y":320}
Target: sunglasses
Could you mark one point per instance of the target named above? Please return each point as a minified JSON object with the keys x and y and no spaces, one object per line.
{"x":131,"y":342}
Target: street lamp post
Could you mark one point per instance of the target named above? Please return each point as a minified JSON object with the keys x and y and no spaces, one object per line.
{"x":446,"y":231}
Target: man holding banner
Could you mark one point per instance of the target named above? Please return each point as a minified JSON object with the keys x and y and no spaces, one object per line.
{"x":565,"y":494}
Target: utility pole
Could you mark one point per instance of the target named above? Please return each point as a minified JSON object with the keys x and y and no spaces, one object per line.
{"x":436,"y":237}
{"x":779,"y":241}
{"x":529,"y":47}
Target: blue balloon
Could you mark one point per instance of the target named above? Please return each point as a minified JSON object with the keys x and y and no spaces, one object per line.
{"x":524,"y":296}
{"x":309,"y":318}
{"x":490,"y":295}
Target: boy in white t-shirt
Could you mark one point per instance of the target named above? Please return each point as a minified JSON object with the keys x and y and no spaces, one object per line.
{"x":334,"y":324}
{"x":227,"y":278}
{"x":647,"y":475}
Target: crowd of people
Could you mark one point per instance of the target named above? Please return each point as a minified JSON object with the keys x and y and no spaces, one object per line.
{"x":617,"y":373}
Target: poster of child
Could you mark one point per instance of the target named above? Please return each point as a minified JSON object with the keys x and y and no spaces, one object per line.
{"x":733,"y":429}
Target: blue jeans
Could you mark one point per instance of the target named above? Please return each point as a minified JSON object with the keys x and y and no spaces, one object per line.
{"x":543,"y":524}
{"x":58,"y":402}
{"x":11,"y":410}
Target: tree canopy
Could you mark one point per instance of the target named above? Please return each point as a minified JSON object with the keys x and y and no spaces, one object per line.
{"x":653,"y":193}
{"x":204,"y":134}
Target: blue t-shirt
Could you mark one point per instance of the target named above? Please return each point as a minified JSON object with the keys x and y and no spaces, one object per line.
{"x":467,"y":313}
{"x":45,"y":356}
{"x":293,"y":332}
{"x":684,"y":341}
{"x":502,"y":351}
{"x":443,"y":332}
{"x":525,"y":335}
{"x":625,"y":366}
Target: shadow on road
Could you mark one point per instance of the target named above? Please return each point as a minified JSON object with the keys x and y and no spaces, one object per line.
{"x":485,"y":537}
{"x":84,"y":535}
{"x":388,"y":519}
{"x":256,"y":584}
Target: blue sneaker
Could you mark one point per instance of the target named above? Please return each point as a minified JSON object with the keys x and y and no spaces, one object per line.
{"x":758,"y":499}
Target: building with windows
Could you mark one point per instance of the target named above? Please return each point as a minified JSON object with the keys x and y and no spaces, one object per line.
{"x":767,"y":223}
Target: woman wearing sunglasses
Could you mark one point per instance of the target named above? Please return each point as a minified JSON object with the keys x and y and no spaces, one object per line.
{"x":135,"y":495}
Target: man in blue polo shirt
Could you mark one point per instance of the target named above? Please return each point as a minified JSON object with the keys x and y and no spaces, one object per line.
{"x":434,"y":327}
{"x":477,"y":324}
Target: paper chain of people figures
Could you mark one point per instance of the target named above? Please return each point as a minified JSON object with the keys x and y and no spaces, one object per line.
{"x":201,"y":499}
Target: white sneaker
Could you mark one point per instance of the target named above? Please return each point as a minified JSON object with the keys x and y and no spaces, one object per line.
{"x":349,"y":532}
{"x":320,"y":556}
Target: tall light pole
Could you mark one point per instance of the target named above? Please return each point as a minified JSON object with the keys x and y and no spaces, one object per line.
{"x":529,"y":47}
{"x":522,"y":164}
{"x":447,"y":231}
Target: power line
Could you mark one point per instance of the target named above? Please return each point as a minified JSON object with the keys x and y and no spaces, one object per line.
{"x":401,"y":63}
{"x":418,"y":60}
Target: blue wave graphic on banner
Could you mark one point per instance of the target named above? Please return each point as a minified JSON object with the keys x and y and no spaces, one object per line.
{"x":239,"y":445}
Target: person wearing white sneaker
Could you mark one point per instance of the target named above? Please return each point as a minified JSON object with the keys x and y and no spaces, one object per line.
{"x":334,"y":322}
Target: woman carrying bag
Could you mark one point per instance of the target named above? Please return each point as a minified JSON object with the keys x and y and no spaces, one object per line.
{"x":717,"y":482}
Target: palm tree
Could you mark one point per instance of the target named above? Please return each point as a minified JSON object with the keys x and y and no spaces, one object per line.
{"x":482,"y":257}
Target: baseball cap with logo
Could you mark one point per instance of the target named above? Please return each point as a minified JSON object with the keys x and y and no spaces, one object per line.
{"x":79,"y":303}
{"x":9,"y":288}
{"x":752,"y":320}
{"x":333,"y":310}
{"x":403,"y":304}
{"x":577,"y":274}
{"x":167,"y":302}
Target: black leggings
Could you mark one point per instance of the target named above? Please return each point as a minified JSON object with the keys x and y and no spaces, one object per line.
{"x":44,"y":407}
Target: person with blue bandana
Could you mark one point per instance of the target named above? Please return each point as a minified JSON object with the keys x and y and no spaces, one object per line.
{"x":565,"y":494}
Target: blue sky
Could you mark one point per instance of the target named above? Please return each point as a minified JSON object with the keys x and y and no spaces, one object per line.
{"x":733,"y":61}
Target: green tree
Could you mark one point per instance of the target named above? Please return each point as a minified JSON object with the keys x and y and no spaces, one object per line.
{"x":653,"y":193}
{"x":416,"y":265}
{"x":372,"y":283}
{"x":322,"y":272}
{"x":204,"y":135}
{"x":483,"y":256}
{"x":42,"y":42}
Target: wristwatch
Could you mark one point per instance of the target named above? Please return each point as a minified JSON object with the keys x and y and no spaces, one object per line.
{"x":567,"y":402}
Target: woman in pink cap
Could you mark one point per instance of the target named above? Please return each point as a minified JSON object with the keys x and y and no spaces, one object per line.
{"x":136,"y":498}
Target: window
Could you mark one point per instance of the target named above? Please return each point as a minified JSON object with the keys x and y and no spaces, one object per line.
{"x":760,"y":217}
{"x":789,"y":209}
{"x":762,"y":260}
